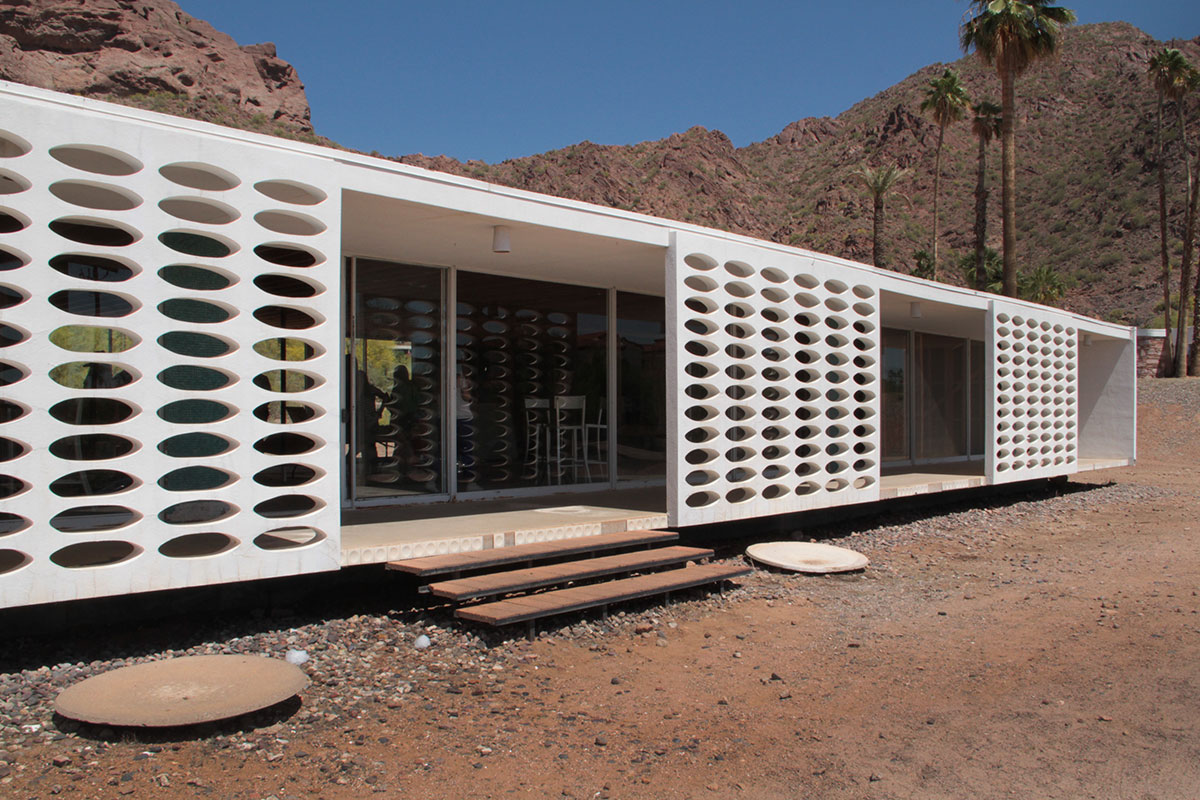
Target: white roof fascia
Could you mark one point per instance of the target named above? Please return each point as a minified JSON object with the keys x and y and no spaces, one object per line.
{"x":372,"y":175}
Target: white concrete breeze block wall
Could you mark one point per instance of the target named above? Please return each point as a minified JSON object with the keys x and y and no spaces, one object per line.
{"x":773,"y":381}
{"x":1034,"y":409}
{"x":142,"y":262}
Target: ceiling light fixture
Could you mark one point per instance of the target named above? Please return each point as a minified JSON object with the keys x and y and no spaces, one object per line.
{"x":500,"y":239}
{"x":914,"y":310}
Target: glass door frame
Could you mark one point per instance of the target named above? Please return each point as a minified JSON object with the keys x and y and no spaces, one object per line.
{"x":449,"y":433}
{"x":614,"y":397}
{"x":350,"y":500}
{"x":913,"y":405}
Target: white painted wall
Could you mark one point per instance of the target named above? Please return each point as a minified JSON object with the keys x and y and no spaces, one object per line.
{"x":1107,"y":397}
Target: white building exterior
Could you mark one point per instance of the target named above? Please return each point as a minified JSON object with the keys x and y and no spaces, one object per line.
{"x":212,"y":342}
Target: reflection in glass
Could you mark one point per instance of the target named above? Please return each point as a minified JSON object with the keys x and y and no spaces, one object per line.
{"x":641,"y":387}
{"x":978,"y":398}
{"x":941,"y":417}
{"x":531,"y":384}
{"x":894,"y":373}
{"x":396,"y":364}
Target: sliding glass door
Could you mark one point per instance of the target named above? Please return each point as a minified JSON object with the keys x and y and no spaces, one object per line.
{"x":461,"y":384}
{"x":941,"y":413}
{"x":641,"y":387}
{"x":894,"y":429}
{"x":394,"y":381}
{"x":933,"y":398}
{"x":531,"y":383}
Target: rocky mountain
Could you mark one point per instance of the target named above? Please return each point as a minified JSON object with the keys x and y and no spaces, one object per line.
{"x":1087,"y":197}
{"x":1087,"y":191}
{"x":149,"y":53}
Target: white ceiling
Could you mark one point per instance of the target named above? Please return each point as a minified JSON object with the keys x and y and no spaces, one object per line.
{"x":401,"y":230}
{"x":895,"y":311}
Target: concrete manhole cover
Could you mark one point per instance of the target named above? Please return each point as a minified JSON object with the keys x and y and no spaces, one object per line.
{"x":181,"y":691}
{"x":807,"y":557}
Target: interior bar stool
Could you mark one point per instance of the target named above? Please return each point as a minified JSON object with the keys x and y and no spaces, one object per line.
{"x":570,"y":436}
{"x":536,"y":457}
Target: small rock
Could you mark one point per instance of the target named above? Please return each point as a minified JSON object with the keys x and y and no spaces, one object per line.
{"x":61,"y":761}
{"x":600,"y":741}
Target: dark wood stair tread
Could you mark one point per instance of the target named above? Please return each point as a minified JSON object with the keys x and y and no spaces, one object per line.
{"x":578,"y":598}
{"x":499,"y":556}
{"x":551,"y":574}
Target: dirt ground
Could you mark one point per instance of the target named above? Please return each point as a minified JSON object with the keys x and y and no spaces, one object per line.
{"x":1058,"y":657}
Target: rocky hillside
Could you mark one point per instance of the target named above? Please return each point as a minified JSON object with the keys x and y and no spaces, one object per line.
{"x":1086,"y":175}
{"x":151,"y":54}
{"x":1087,"y":196}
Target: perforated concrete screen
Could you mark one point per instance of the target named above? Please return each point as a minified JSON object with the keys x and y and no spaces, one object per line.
{"x":1035,"y":391}
{"x":773,"y":382}
{"x":169,"y":360}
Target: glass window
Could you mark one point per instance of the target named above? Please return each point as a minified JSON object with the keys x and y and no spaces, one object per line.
{"x":641,"y":387}
{"x":894,"y":421}
{"x":941,"y":414}
{"x":394,"y":375}
{"x":979,"y":369}
{"x":531,"y":383}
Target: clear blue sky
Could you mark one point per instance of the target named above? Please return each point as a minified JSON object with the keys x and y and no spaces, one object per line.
{"x":496,"y":80}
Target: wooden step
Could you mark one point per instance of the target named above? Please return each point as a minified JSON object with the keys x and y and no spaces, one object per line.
{"x":519,"y":580}
{"x":539,"y":551}
{"x":577,"y":598}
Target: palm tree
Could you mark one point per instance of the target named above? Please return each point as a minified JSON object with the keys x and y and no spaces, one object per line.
{"x":1011,"y":35}
{"x":991,"y":277}
{"x":947,"y":102}
{"x":1043,"y":285}
{"x":985,"y":126}
{"x":1166,"y":70}
{"x":1191,"y":86}
{"x":879,"y":182}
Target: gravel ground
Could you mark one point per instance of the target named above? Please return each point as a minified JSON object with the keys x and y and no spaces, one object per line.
{"x":1158,"y":392}
{"x":346,"y":654}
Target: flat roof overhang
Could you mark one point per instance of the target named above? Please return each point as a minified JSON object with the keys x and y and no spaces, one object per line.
{"x":933,"y":316}
{"x":397,"y":229}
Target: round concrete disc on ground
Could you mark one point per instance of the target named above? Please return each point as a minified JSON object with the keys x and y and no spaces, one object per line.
{"x":181,"y":691}
{"x":807,"y":557}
